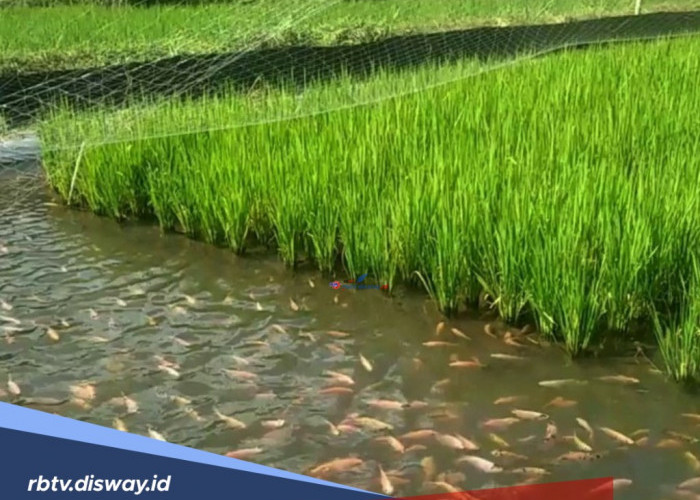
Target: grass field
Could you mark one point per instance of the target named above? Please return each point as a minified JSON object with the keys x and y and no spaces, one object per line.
{"x":566,"y":187}
{"x":85,"y":35}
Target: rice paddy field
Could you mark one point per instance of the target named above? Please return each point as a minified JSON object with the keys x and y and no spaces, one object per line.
{"x":69,"y":35}
{"x":562,"y":190}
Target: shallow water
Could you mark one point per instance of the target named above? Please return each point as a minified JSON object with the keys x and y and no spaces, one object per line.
{"x":120,"y":296}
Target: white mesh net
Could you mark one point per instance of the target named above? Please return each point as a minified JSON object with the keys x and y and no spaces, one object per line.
{"x":94,"y":72}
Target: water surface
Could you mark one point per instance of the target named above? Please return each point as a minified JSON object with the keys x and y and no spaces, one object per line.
{"x":127,"y":310}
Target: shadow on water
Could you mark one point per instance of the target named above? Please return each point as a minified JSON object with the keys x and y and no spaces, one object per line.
{"x":22,"y":96}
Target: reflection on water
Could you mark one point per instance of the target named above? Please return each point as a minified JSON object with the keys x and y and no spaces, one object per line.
{"x":210,"y":353}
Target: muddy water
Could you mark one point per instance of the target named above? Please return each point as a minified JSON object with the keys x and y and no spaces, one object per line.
{"x":158,"y":317}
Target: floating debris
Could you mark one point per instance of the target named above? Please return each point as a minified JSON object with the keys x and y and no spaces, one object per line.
{"x":692,"y":461}
{"x":293,"y":305}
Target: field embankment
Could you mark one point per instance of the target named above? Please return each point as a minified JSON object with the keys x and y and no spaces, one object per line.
{"x":567,"y":188}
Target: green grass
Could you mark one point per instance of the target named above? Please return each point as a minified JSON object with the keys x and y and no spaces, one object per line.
{"x":566,"y":187}
{"x":86,"y":35}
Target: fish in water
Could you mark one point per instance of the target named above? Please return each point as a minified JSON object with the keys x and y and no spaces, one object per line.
{"x":488,"y":330}
{"x":480,"y":464}
{"x":498,"y":440}
{"x":336,"y":391}
{"x":371,"y":423}
{"x":83,"y":391}
{"x":507,"y":357}
{"x":580,"y":444}
{"x":473,"y":363}
{"x":529,"y":415}
{"x":13,"y":387}
{"x":335,"y":466}
{"x":617,"y":436}
{"x":244,"y":453}
{"x":394,"y":443}
{"x":585,"y":426}
{"x":450,"y":441}
{"x":119,"y":425}
{"x":53,"y":334}
{"x":619,"y":379}
{"x":560,"y":402}
{"x":439,"y":343}
{"x":508,"y":400}
{"x":339,"y":378}
{"x":131,"y":405}
{"x":231,"y":422}
{"x":387,"y":487}
{"x":499,"y":423}
{"x":419,"y":435}
{"x":155,"y":434}
{"x":365,"y":363}
{"x":387,"y":404}
{"x":459,"y":333}
{"x":561,"y":382}
{"x":439,"y":328}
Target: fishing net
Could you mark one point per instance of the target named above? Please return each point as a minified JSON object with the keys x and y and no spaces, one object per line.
{"x":90,"y":72}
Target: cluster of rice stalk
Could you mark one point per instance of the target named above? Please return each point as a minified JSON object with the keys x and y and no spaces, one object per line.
{"x":566,"y":188}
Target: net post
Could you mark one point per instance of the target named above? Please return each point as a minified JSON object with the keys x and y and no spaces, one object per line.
{"x":637,"y":7}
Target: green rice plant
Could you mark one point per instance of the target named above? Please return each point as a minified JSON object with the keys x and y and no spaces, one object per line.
{"x":84,"y":34}
{"x":565,"y":187}
{"x":678,"y":332}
